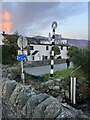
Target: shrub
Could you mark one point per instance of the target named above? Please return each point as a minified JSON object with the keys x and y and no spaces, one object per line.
{"x":81,"y":57}
{"x":9,"y":54}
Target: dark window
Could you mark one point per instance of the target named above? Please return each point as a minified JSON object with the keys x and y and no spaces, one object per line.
{"x":47,"y":47}
{"x":46,"y":57}
{"x":67,"y":47}
{"x":61,"y":47}
{"x":33,"y":58}
{"x":43,"y":57}
{"x":31,"y":47}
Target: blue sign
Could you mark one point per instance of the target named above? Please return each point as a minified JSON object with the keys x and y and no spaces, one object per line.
{"x":21,"y":57}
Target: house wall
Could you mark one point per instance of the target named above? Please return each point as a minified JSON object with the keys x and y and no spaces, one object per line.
{"x":29,"y":58}
{"x":42,"y":50}
{"x":45,"y":42}
{"x":36,"y":57}
{"x":63,"y":52}
{"x":64,"y":41}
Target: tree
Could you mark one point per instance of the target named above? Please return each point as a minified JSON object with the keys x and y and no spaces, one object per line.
{"x":9,"y":49}
{"x":72,"y":51}
{"x":56,"y":50}
{"x":81,"y":57}
{"x":11,"y":39}
{"x":16,"y":33}
{"x":9,"y":54}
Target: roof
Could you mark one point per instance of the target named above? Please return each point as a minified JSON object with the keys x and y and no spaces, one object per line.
{"x":35,"y":52}
{"x":64,"y":45}
{"x":32,"y":40}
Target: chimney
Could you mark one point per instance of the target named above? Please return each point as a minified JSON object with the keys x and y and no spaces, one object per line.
{"x":3,"y":33}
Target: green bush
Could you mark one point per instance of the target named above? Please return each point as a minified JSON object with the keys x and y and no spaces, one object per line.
{"x":56,"y":50}
{"x":9,"y":54}
{"x":81,"y":57}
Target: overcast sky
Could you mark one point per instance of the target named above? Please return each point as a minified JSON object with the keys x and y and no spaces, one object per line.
{"x":35,"y":18}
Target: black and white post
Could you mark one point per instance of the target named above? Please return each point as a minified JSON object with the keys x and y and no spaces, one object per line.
{"x":54,"y":25}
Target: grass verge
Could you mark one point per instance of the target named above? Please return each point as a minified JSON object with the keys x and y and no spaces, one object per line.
{"x":64,"y":74}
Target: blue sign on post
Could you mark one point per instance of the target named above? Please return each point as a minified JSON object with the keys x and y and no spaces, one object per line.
{"x":21,"y":57}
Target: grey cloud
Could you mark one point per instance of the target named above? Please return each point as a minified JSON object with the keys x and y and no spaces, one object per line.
{"x":37,"y":16}
{"x":28,"y":13}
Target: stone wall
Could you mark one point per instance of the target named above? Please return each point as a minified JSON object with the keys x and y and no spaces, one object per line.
{"x":21,"y":101}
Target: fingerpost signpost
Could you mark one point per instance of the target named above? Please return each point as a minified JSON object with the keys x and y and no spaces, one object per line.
{"x":54,"y":26}
{"x":22,"y":54}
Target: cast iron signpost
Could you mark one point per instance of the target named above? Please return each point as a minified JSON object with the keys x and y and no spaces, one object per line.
{"x":22,"y":43}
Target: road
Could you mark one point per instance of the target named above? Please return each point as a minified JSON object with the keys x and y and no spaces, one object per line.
{"x":37,"y":71}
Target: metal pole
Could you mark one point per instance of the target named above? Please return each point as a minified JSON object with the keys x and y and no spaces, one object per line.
{"x":74,"y":90}
{"x":22,"y":74}
{"x":71,"y":89}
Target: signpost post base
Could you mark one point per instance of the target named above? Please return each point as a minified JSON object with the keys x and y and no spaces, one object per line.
{"x":23,"y":77}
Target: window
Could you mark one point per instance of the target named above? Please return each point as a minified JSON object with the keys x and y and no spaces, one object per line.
{"x":31,"y":47}
{"x":43,"y":57}
{"x":61,"y":47}
{"x":67,"y":47}
{"x":46,"y":57}
{"x":47,"y":48}
{"x":33,"y":57}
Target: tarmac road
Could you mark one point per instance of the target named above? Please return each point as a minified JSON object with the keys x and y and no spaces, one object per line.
{"x":37,"y":71}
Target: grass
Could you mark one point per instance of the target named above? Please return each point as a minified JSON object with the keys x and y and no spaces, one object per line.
{"x":64,"y":74}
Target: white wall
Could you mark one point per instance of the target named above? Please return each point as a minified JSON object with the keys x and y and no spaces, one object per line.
{"x":64,"y":41}
{"x":41,"y":49}
{"x":37,"y":57}
{"x":45,"y":42}
{"x":29,"y":58}
{"x":64,"y":52}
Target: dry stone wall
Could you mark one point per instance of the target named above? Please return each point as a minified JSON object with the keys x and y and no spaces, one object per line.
{"x":21,"y":101}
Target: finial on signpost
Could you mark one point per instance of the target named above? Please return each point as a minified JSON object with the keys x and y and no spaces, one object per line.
{"x":54,"y":25}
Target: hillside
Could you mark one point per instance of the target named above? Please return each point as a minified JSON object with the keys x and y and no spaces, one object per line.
{"x":79,"y":43}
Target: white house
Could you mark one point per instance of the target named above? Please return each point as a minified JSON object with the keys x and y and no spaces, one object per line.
{"x":39,"y":52}
{"x":40,"y":48}
{"x":42,"y":51}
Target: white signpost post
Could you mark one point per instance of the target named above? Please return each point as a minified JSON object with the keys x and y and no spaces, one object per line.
{"x":73,"y":90}
{"x":22,"y":43}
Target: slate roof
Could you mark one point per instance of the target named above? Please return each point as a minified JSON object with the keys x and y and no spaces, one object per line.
{"x":35,"y":52}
